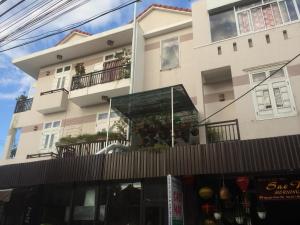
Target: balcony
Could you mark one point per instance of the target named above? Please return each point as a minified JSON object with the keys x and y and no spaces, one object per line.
{"x":222,"y":131}
{"x":88,"y":89}
{"x":23,"y":105}
{"x":53,"y":101}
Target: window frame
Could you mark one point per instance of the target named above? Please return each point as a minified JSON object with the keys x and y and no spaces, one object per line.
{"x":239,"y":34}
{"x":50,"y":131}
{"x":269,"y":82}
{"x":161,"y":53}
{"x":61,"y":75}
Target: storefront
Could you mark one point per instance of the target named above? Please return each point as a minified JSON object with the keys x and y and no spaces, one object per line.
{"x":248,"y":200}
{"x":117,"y":203}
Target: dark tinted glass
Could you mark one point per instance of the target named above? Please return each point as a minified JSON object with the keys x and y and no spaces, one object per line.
{"x":223,"y":25}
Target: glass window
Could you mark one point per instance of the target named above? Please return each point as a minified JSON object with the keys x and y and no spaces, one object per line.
{"x":102,"y":116}
{"x":257,"y":18}
{"x":298,"y":4}
{"x":223,"y":25}
{"x":273,"y":98}
{"x":48,"y":125}
{"x":170,"y":54}
{"x":292,"y":11}
{"x":67,"y":68}
{"x":59,"y":70}
{"x":84,"y":203}
{"x":109,"y":57}
{"x":56,"y":124}
{"x":244,"y":22}
{"x":124,"y":204}
{"x":56,"y":205}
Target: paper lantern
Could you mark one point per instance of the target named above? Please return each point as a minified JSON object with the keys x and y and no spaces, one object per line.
{"x":243,"y":183}
{"x":239,"y":220}
{"x":217,"y":215}
{"x":262,"y":215}
{"x":209,"y":222}
{"x":205,"y":193}
{"x":207,"y":208}
{"x":224,"y":193}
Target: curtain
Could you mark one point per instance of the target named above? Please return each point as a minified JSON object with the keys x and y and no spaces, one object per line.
{"x":268,"y":16}
{"x":244,"y":22}
{"x":257,"y":18}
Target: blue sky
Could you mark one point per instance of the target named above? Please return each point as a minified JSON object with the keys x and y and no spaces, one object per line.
{"x":14,"y":82}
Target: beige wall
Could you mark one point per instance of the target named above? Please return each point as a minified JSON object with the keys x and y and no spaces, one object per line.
{"x":245,"y":58}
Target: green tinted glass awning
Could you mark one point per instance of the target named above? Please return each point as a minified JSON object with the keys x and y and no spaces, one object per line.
{"x":153,"y":102}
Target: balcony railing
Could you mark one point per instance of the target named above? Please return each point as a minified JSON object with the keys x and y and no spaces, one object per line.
{"x":23,"y":105}
{"x":83,"y":149}
{"x":222,"y":131}
{"x":100,"y":77}
{"x":54,"y":91}
{"x":42,"y":155}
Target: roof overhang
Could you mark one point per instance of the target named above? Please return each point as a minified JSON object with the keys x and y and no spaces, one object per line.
{"x":31,"y":64}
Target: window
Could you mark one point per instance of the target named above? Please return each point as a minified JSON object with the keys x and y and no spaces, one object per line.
{"x":169,"y":54}
{"x":61,"y":78}
{"x":101,"y":125}
{"x":223,"y":25}
{"x":273,"y":98}
{"x":265,"y":14}
{"x":50,"y":135}
{"x":247,"y":18}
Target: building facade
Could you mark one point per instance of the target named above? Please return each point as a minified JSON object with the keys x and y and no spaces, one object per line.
{"x":238,"y":167}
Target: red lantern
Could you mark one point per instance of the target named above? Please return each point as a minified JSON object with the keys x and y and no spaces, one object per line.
{"x":207,"y":208}
{"x":189,"y":180}
{"x":243,"y":183}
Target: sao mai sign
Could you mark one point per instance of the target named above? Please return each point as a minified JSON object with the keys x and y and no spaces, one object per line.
{"x":278,"y":189}
{"x":175,"y":201}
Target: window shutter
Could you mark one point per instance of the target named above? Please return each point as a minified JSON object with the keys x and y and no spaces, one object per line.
{"x":282,"y":97}
{"x":263,"y":100}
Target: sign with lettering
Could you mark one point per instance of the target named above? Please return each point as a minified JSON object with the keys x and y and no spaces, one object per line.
{"x":175,"y":201}
{"x":278,"y":189}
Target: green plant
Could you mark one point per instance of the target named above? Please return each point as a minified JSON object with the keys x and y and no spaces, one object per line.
{"x":80,"y":69}
{"x":126,"y":61}
{"x":212,"y":135}
{"x":21,"y":97}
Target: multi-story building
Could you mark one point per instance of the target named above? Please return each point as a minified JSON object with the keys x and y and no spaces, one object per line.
{"x":162,"y":78}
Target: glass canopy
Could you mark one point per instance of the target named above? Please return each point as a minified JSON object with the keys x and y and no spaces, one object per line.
{"x":157,"y":118}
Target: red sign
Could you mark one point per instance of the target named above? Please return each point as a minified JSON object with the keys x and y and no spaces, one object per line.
{"x":278,"y":189}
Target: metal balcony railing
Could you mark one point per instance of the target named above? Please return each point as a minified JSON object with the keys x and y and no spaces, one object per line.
{"x":23,"y":105}
{"x":100,"y":77}
{"x":222,"y":131}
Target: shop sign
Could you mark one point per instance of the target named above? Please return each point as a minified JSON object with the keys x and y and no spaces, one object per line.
{"x":175,"y":201}
{"x":278,"y":189}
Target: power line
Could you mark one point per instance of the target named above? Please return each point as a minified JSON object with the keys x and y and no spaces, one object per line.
{"x":73,"y":27}
{"x":247,"y":92}
{"x":1,"y":2}
{"x":11,"y":8}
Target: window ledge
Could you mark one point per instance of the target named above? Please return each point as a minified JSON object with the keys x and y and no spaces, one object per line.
{"x":165,"y":70}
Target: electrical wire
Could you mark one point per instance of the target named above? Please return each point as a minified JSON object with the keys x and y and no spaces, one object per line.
{"x":73,"y":27}
{"x":247,"y":92}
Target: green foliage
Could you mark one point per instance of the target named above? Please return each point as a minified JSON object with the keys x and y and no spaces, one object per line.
{"x":80,"y":69}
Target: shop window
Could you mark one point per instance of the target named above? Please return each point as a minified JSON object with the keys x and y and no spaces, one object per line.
{"x":274,"y":97}
{"x":84,"y":204}
{"x":123,"y":203}
{"x":169,"y":54}
{"x":56,"y":205}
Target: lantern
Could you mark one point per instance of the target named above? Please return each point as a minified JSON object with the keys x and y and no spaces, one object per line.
{"x":224,"y":193}
{"x":189,"y":180}
{"x":243,"y":183}
{"x":239,"y":220}
{"x":209,"y":222}
{"x":207,"y":208}
{"x":206,"y":193}
{"x":262,"y":214}
{"x":217,"y":215}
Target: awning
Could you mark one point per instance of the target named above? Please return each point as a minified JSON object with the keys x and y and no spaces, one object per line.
{"x":5,"y":195}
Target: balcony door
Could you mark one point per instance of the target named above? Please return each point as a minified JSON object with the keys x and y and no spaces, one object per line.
{"x":62,"y":77}
{"x":50,"y":136}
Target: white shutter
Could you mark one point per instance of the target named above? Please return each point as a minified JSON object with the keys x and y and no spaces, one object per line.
{"x":263,"y":100}
{"x":282,"y":97}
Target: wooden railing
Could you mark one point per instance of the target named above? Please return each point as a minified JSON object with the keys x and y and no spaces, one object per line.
{"x":222,"y":131}
{"x":23,"y":105}
{"x":100,"y":77}
{"x":83,"y":149}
